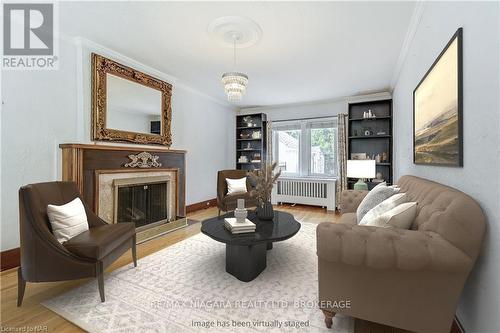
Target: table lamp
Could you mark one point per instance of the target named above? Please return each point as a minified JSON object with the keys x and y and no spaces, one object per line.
{"x":361,"y":169}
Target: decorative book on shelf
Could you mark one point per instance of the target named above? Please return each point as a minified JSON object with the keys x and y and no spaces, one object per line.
{"x":370,"y":137}
{"x":250,"y":141}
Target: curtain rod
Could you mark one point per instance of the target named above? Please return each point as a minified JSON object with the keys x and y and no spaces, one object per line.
{"x":283,"y":120}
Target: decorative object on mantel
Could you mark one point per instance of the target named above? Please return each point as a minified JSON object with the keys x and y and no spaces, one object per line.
{"x":264,"y":178}
{"x":437,"y":110}
{"x":106,"y":71}
{"x":143,"y":160}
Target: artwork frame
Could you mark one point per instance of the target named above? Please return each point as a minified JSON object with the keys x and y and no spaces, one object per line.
{"x":444,"y":153}
{"x":101,"y":66}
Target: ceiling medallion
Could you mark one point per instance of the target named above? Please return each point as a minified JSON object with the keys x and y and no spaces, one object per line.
{"x":235,"y":32}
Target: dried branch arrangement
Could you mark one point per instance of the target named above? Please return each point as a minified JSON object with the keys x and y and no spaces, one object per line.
{"x":264,"y":178}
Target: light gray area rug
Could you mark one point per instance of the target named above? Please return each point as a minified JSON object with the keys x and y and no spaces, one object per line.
{"x":185,"y":288}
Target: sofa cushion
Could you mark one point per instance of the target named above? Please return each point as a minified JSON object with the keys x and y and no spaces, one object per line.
{"x":348,"y":218}
{"x":97,"y":242}
{"x":378,"y":194}
{"x":383,"y":207}
{"x":68,"y":220}
{"x":400,"y":217}
{"x":383,"y":248}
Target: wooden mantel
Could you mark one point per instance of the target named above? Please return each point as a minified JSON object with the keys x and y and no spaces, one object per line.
{"x":122,"y":148}
{"x":82,"y":163}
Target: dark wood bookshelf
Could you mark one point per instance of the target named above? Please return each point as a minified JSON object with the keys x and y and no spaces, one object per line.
{"x":371,"y":144}
{"x":368,"y":119}
{"x":247,"y":127}
{"x":252,"y":148}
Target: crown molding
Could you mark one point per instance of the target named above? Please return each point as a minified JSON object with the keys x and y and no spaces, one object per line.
{"x":83,"y":43}
{"x":199,"y":93}
{"x":410,"y":34}
{"x":347,"y":99}
{"x":119,"y":57}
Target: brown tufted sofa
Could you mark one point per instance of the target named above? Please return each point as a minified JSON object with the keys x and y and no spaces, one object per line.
{"x":410,"y":279}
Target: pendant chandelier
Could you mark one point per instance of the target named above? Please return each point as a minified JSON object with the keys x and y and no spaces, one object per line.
{"x":235,"y":83}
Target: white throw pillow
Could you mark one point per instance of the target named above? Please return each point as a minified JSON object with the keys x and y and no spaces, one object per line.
{"x":378,"y":194}
{"x":384,"y":206}
{"x":380,"y":184}
{"x":236,"y":185}
{"x":400,"y":217}
{"x":68,"y":220}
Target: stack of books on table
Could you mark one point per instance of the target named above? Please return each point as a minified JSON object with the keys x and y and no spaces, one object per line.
{"x":237,"y":227}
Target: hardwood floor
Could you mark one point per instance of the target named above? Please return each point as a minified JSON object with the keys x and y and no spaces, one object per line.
{"x":32,"y":314}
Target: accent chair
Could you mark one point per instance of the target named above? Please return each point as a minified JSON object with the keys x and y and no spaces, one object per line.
{"x":227,"y":202}
{"x":44,"y":259}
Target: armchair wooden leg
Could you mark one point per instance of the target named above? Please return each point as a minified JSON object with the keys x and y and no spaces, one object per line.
{"x":328,"y":317}
{"x":219,"y":212}
{"x":100,"y":280}
{"x":21,"y":285}
{"x":134,"y":250}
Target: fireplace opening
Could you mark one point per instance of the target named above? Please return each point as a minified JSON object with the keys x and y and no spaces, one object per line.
{"x":144,"y":201}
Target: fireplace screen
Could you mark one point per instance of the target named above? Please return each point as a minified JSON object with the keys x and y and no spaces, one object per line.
{"x":142,"y":204}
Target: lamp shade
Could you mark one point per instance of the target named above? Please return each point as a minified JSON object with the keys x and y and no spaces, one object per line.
{"x":361,"y":168}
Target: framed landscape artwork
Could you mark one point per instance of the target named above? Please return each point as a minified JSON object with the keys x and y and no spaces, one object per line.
{"x":437,"y":110}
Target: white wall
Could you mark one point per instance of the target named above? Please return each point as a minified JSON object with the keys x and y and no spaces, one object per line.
{"x":480,"y":301}
{"x":207,"y":131}
{"x":313,"y":109}
{"x":45,"y":108}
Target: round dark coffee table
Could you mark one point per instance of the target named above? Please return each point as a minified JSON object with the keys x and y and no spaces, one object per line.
{"x":246,"y":253}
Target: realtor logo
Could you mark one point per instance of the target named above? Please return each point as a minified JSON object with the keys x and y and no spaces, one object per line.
{"x":28,"y":36}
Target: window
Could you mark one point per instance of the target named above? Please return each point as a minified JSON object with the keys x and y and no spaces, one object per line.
{"x":306,"y":147}
{"x":286,"y":138}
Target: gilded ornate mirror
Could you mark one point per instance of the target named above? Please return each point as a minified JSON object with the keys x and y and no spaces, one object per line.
{"x":128,"y":105}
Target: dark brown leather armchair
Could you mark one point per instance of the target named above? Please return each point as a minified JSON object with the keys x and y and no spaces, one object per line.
{"x":44,"y":259}
{"x":227,"y":202}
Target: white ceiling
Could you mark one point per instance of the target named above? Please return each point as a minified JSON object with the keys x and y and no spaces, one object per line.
{"x":308,"y":51}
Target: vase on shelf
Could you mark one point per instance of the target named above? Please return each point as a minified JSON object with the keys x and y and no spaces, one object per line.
{"x":265,"y":211}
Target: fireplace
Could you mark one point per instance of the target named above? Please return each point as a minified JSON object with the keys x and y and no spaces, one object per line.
{"x":144,"y":185}
{"x":144,"y":201}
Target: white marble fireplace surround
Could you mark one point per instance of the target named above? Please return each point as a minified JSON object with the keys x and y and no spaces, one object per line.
{"x":106,"y":190}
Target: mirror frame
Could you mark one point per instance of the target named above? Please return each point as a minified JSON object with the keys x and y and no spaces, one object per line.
{"x":101,"y":66}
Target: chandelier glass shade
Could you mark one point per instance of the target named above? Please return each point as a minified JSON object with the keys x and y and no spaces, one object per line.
{"x":235,"y":85}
